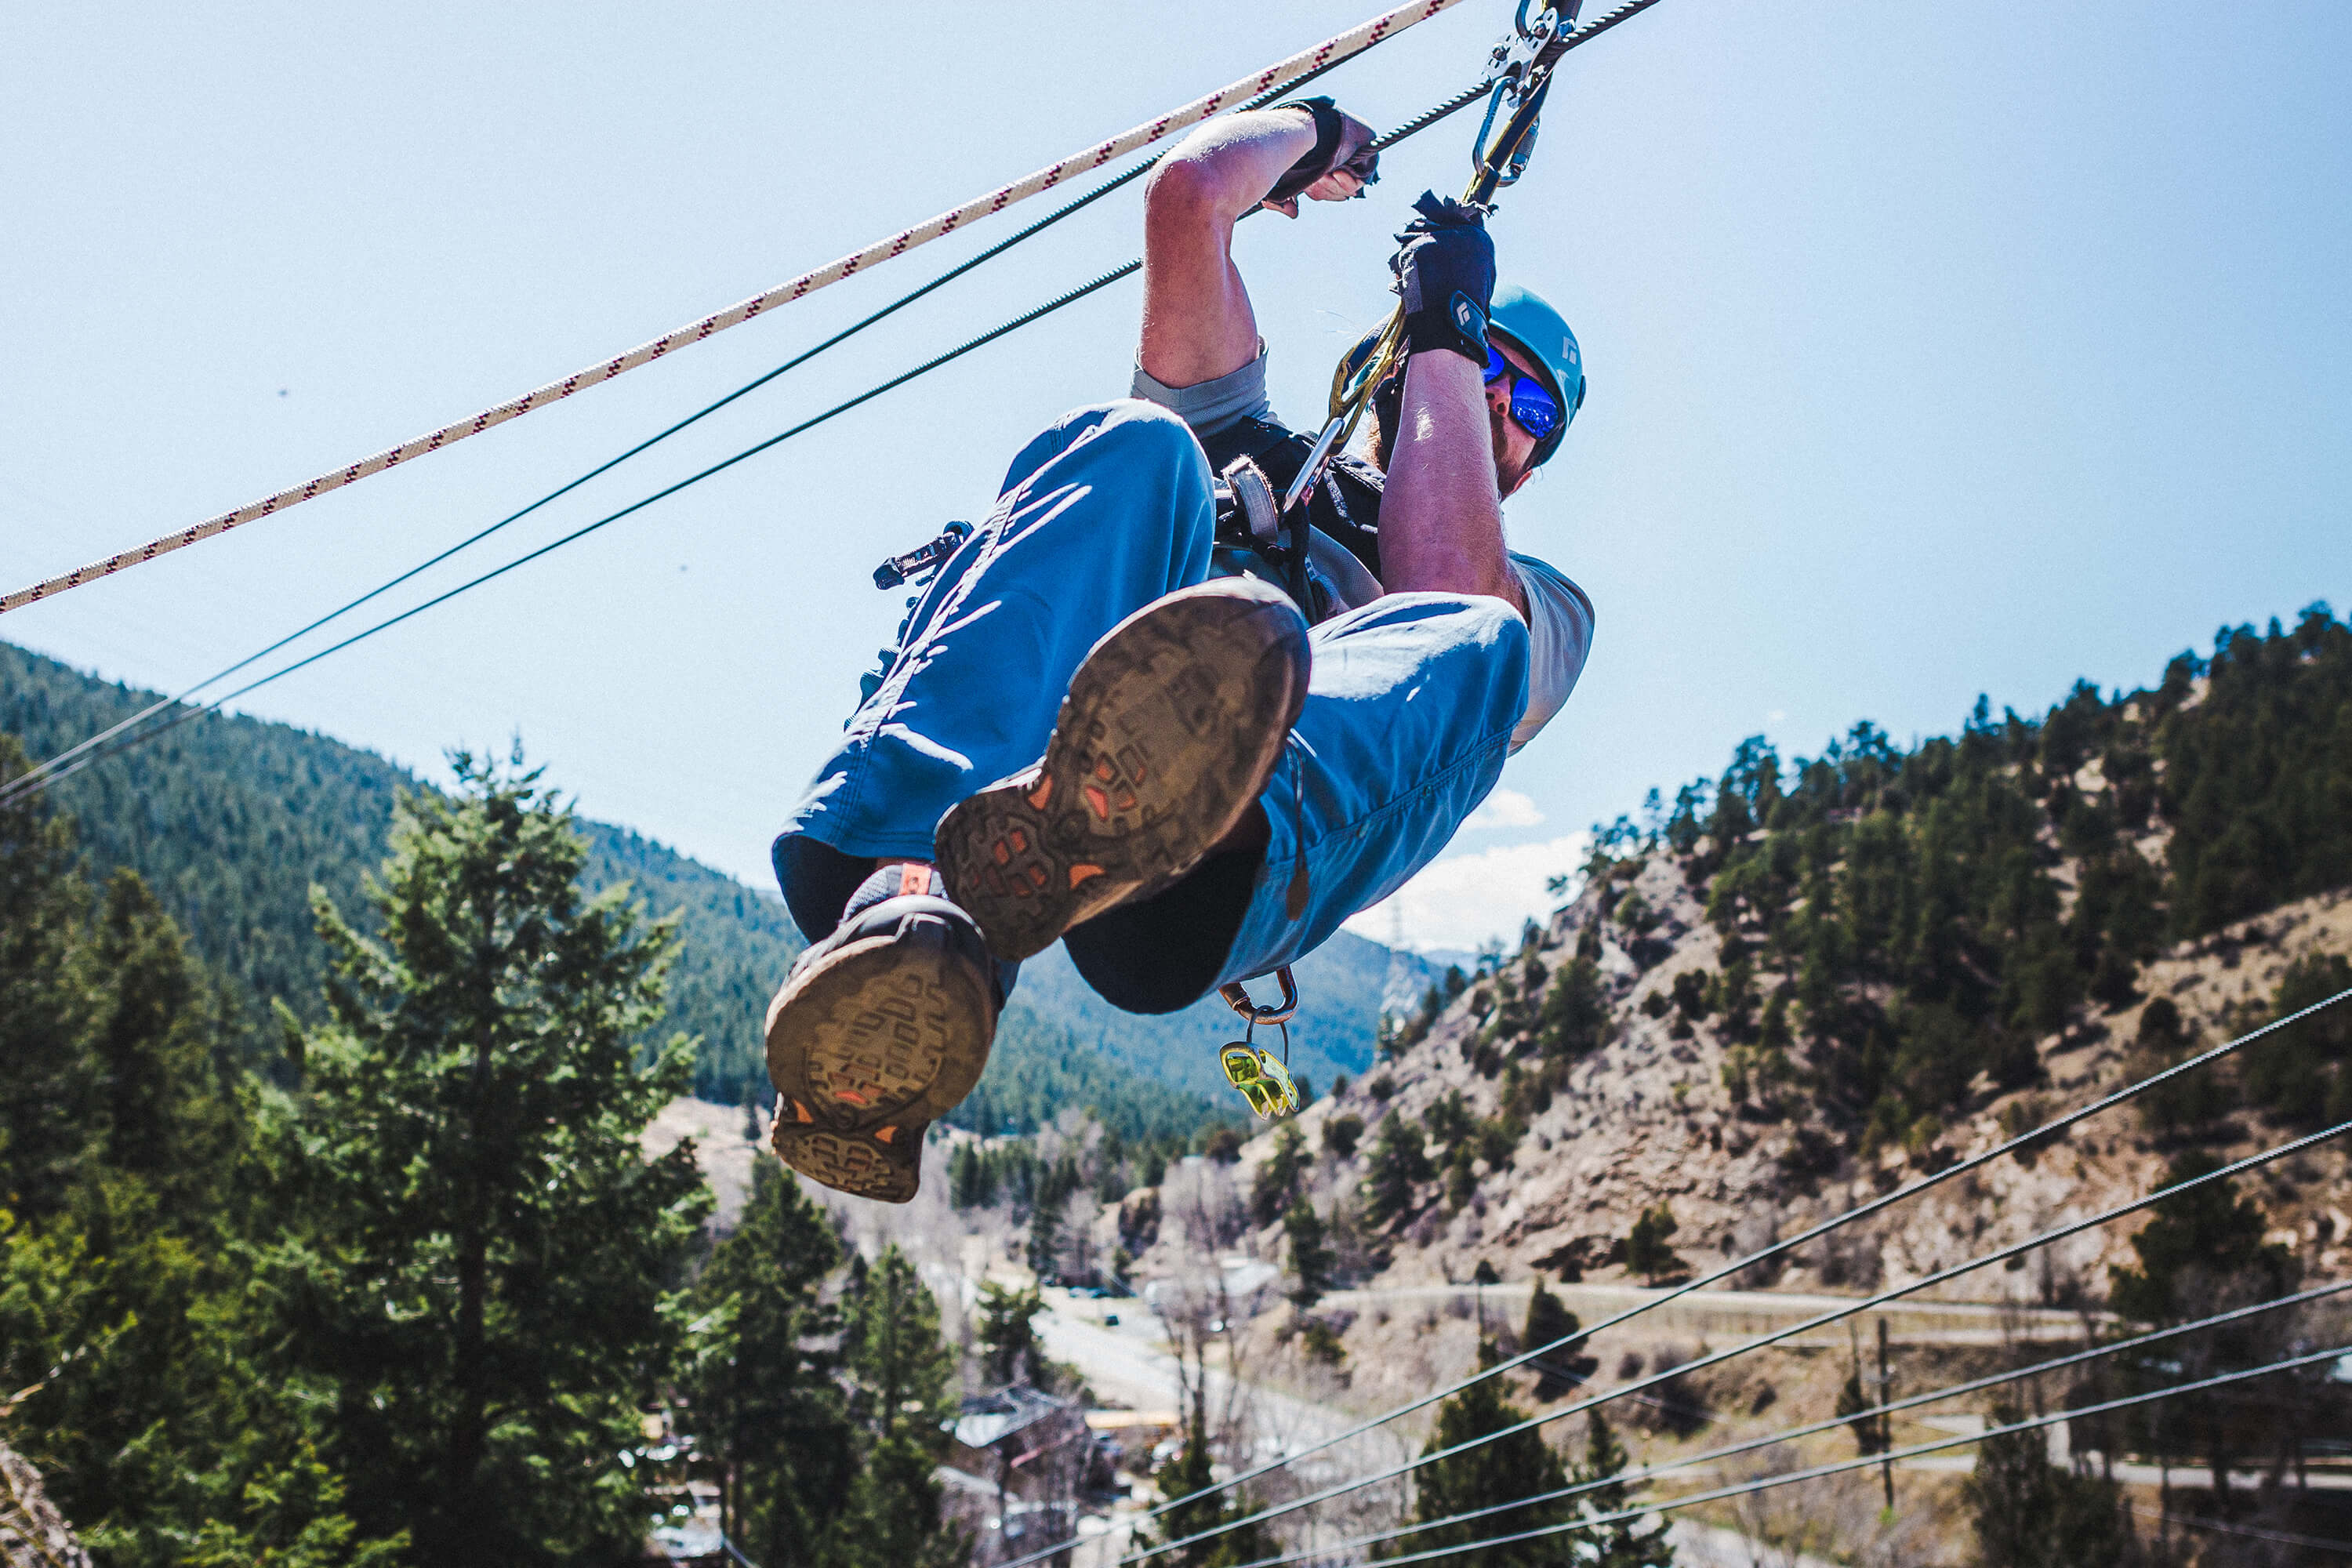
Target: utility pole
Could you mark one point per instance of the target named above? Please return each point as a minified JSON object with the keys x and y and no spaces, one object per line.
{"x":1886,"y":1421}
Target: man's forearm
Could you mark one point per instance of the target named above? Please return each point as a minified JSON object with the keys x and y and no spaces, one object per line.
{"x":1441,"y":514}
{"x":1197,"y":322}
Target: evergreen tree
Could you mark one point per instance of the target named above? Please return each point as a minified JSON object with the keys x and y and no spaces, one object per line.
{"x":1276,"y":1182}
{"x":899,"y":1368}
{"x":1310,"y":1253}
{"x":761,"y":1384}
{"x":1501,"y":1471}
{"x":482,"y":1248}
{"x":1647,"y":1252}
{"x":1009,"y":1351}
{"x":2207,"y":1234}
{"x":1626,"y":1543}
{"x":1190,"y":1472}
{"x":1551,"y":1323}
{"x":2029,"y":1513}
{"x":1398,"y":1161}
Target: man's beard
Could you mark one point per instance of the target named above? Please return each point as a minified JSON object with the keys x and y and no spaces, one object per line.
{"x":1507,"y":474}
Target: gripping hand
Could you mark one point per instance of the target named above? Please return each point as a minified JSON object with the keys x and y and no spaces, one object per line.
{"x":1444,"y":268}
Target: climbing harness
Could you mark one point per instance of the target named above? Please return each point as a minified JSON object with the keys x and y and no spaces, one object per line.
{"x":1354,"y":41}
{"x":1264,"y":1081}
{"x":919,"y":566}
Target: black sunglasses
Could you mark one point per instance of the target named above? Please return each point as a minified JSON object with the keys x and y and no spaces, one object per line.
{"x":1533,"y":406}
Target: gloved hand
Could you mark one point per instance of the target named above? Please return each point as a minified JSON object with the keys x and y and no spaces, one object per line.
{"x":1444,"y":268}
{"x":1339,"y":166}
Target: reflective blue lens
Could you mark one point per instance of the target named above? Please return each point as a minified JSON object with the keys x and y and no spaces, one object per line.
{"x":1532,"y":403}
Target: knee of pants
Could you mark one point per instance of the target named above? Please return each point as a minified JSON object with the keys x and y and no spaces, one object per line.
{"x":1479,"y":645}
{"x":1144,"y":454}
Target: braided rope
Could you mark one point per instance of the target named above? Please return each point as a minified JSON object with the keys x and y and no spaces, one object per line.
{"x":1354,"y":41}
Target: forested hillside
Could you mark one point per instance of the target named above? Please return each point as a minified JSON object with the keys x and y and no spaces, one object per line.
{"x":231,"y":821}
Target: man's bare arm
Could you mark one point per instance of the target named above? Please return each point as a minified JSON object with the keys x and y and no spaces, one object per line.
{"x":1197,"y":321}
{"x":1441,"y":513}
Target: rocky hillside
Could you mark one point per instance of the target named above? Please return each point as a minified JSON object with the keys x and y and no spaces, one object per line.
{"x":1805,"y":984}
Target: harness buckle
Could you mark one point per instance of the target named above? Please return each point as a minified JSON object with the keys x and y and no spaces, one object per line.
{"x":922,"y":562}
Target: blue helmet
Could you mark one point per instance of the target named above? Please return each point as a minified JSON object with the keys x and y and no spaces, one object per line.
{"x":1527,"y":319}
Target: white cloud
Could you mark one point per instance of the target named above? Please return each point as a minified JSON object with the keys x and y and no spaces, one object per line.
{"x":1463,"y":900}
{"x":1503,"y":808}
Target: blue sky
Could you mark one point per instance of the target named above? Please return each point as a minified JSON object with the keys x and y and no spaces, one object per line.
{"x":1933,"y":352}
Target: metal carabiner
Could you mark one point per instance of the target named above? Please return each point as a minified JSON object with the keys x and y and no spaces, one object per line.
{"x":1237,"y":997}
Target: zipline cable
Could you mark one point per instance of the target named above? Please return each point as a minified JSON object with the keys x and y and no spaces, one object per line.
{"x":49,"y":774}
{"x":1353,"y":41}
{"x":2016,"y":1249}
{"x":1790,"y":1435}
{"x":1892,"y":1456}
{"x":26,"y":780}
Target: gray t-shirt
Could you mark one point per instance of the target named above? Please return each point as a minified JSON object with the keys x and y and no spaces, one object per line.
{"x":1559,"y":616}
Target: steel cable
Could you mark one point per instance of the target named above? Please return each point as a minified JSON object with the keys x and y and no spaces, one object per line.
{"x":1892,"y":1456}
{"x":1790,"y":1434}
{"x":2251,"y":1162}
{"x":30,"y":779}
{"x":49,"y":773}
{"x":1278,"y":76}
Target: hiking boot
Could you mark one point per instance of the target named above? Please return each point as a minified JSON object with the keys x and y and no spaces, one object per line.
{"x":880,"y":1029}
{"x":1171,"y":727}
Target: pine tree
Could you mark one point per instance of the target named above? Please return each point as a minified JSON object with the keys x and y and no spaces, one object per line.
{"x":1504,"y":1470}
{"x":1010,"y":1348}
{"x":1276,"y":1182}
{"x":1190,"y":1471}
{"x":761,"y":1385}
{"x":2029,"y":1513}
{"x":1549,"y":1324}
{"x":480,"y":1262}
{"x":1310,"y":1253}
{"x":899,"y":1368}
{"x":1626,"y":1543}
{"x":1647,"y":1252}
{"x":1398,"y":1161}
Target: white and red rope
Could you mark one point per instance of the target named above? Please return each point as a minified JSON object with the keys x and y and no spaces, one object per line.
{"x":1354,"y":40}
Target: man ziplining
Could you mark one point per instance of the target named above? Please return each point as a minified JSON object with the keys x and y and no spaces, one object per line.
{"x":1146,"y":712}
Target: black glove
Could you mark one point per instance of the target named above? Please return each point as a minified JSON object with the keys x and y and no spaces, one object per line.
{"x":1444,"y":268}
{"x":1324,"y":157}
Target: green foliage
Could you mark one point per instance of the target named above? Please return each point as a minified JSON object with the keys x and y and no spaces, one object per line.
{"x":2299,"y":1074}
{"x":1310,"y":1253}
{"x":2258,"y":776}
{"x":1276,"y":1182}
{"x":470,"y":1115}
{"x":1647,"y":1252}
{"x":232,"y":821}
{"x":1894,"y":926}
{"x":1341,"y":1134}
{"x":2202,"y":1252}
{"x":900,"y":1369}
{"x":1497,"y":1472}
{"x":1551,"y":1323}
{"x":1627,"y":1542}
{"x":1009,"y":1346}
{"x":1397,"y":1164}
{"x":767,"y":1406}
{"x":2029,"y":1513}
{"x":1190,"y":1471}
{"x":169,"y":1429}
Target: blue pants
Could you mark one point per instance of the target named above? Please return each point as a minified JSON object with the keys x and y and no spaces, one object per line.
{"x":1409,"y":712}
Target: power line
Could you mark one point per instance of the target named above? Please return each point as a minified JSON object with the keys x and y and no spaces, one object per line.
{"x":1817,"y":1472}
{"x":1651,"y":1472}
{"x":2252,"y":1161}
{"x":30,"y":779}
{"x":2283,"y":1537}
